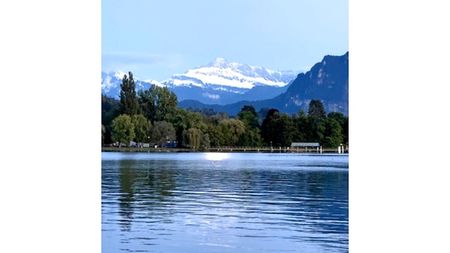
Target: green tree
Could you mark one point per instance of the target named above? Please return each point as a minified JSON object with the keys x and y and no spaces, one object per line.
{"x":345,"y":130}
{"x":316,"y":129}
{"x":205,"y":143}
{"x":316,"y":109}
{"x":192,"y":138}
{"x":249,"y":116}
{"x":158,"y":103}
{"x":103,"y":134}
{"x":215,"y":135}
{"x":333,"y":136}
{"x":251,"y":135}
{"x":162,"y":132}
{"x":269,"y":131}
{"x":179,"y":123}
{"x":122,"y":129}
{"x":343,"y":122}
{"x":231,"y":129}
{"x":286,"y":130}
{"x":128,"y":100}
{"x":183,"y":120}
{"x":277,"y":129}
{"x":166,"y":104}
{"x":339,"y":117}
{"x":142,"y":128}
{"x":110,"y":110}
{"x":195,"y":139}
{"x":250,"y":138}
{"x":301,"y":127}
{"x":147,"y":103}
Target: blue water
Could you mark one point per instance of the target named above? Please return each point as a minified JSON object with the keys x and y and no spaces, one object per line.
{"x":224,"y":202}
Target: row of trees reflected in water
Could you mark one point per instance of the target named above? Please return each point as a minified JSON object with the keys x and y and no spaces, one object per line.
{"x":156,"y":189}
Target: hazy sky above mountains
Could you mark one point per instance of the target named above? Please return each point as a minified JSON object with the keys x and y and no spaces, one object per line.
{"x":155,"y":39}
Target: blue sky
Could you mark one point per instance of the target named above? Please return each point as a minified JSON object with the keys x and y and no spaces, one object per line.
{"x":155,"y":39}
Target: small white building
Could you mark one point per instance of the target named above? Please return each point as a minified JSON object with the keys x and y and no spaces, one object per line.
{"x":306,"y":145}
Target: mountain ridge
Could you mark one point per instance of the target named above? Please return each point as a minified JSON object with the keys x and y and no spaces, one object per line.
{"x":327,"y":81}
{"x":219,"y":82}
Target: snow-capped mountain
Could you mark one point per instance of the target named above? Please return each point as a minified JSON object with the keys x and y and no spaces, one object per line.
{"x":111,"y":83}
{"x":220,"y":82}
{"x":231,"y":75}
{"x":327,"y":81}
{"x":223,"y":82}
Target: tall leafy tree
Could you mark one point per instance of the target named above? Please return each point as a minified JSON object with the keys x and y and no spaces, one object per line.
{"x":128,"y":99}
{"x":122,"y":129}
{"x":183,"y":120}
{"x":166,"y":104}
{"x":316,"y":109}
{"x":215,"y":135}
{"x":286,"y":128}
{"x":192,"y":138}
{"x":231,"y":129}
{"x":205,"y":141}
{"x":333,"y":136}
{"x":277,"y":129}
{"x":343,"y":122}
{"x":162,"y":132}
{"x":147,"y":103}
{"x":251,"y":135}
{"x":142,"y":128}
{"x":249,"y":116}
{"x":317,"y":129}
{"x":158,"y":103}
{"x":269,"y":127}
{"x":345,"y":130}
{"x":250,"y":138}
{"x":301,"y":129}
{"x":110,"y":110}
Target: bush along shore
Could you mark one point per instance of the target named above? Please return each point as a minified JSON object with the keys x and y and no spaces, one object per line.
{"x":152,"y":117}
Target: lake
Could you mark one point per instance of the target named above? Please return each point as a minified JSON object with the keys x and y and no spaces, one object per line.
{"x":224,"y":202}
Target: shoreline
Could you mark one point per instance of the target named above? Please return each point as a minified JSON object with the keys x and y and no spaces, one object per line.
{"x":221,"y":150}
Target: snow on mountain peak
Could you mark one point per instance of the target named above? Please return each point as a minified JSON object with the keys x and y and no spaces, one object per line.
{"x":154,"y":82}
{"x":119,"y":74}
{"x":219,"y":81}
{"x":220,"y":72}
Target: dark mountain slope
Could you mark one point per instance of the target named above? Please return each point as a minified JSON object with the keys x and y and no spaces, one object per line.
{"x":327,"y":81}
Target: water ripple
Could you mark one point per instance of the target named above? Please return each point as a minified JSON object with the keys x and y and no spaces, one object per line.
{"x":266,"y":203}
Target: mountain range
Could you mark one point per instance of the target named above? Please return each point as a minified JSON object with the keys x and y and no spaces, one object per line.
{"x":219,"y":82}
{"x":227,"y":86}
{"x":326,"y":81}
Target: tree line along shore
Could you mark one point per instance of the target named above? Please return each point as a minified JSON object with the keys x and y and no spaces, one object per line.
{"x":151,"y":118}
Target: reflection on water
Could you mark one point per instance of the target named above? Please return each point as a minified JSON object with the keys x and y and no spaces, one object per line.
{"x":216,"y":156}
{"x":224,"y":203}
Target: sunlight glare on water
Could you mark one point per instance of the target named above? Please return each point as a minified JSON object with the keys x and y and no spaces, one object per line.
{"x":216,"y":156}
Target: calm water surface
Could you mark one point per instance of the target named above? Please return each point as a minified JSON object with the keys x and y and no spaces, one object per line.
{"x":224,"y":202}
